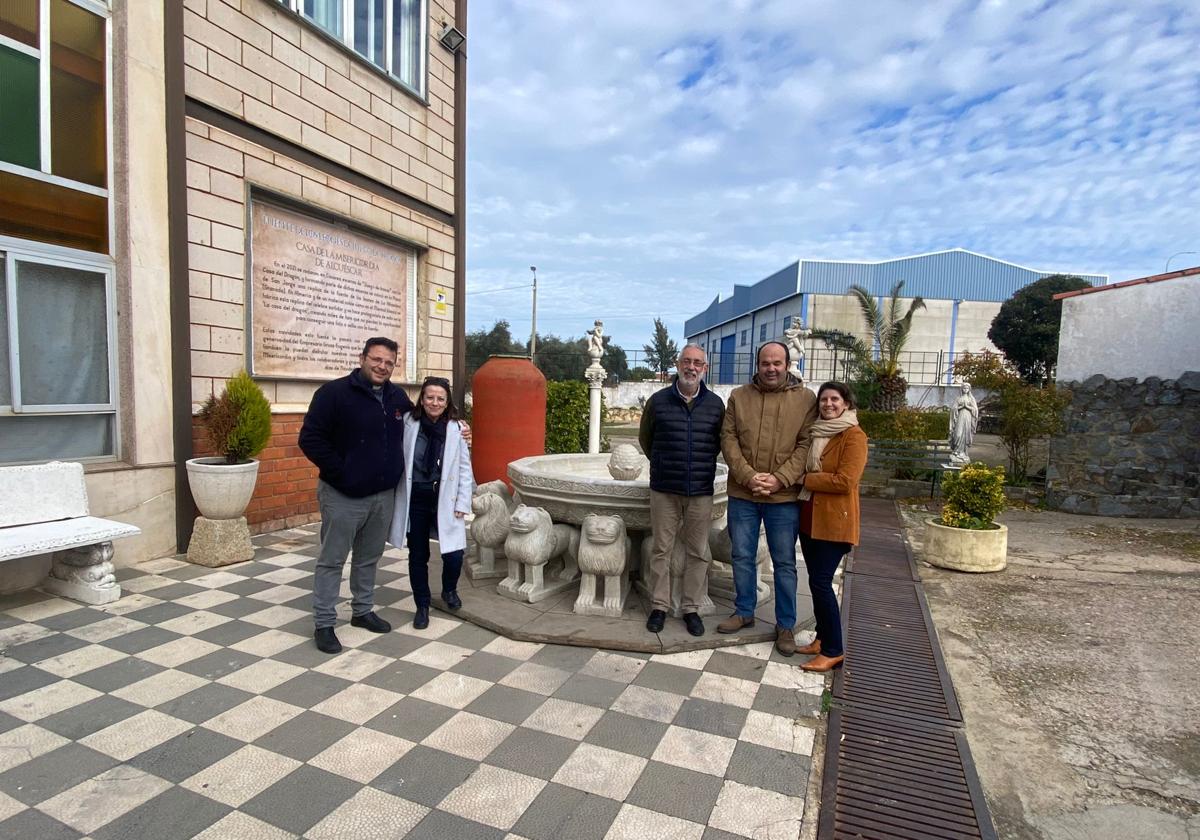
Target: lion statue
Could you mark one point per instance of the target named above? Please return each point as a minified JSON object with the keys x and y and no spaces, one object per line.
{"x":604,"y":550}
{"x":488,"y":531}
{"x":533,"y":542}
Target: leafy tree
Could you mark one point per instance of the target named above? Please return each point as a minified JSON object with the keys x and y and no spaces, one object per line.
{"x":1026,"y":327}
{"x":662,"y":353}
{"x":641,"y":374}
{"x":888,"y":330}
{"x":497,"y":341}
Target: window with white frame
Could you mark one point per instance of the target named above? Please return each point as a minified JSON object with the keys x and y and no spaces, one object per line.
{"x":57,"y":377}
{"x":391,"y":34}
{"x":54,"y":124}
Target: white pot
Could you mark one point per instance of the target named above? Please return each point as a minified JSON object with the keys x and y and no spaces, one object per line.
{"x":966,"y":550}
{"x":221,"y":490}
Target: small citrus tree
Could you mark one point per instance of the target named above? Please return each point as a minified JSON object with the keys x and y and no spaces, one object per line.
{"x":973,"y":497}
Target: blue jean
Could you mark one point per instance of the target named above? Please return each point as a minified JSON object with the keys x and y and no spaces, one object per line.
{"x":821,"y":558}
{"x":422,"y":523}
{"x":352,"y":526}
{"x":782,"y":523}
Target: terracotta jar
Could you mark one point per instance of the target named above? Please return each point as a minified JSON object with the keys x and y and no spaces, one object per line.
{"x":508,"y":415}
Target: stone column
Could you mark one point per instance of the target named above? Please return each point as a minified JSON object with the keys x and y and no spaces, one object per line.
{"x":595,"y":376}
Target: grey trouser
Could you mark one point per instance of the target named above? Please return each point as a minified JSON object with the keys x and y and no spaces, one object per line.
{"x":349,"y":524}
{"x":687,"y":518}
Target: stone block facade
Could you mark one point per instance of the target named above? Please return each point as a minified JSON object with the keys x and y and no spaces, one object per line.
{"x":1128,"y":448}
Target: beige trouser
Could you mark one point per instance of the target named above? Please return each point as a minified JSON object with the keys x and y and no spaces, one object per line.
{"x":688,"y":519}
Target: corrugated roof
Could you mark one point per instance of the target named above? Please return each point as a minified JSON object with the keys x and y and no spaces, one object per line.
{"x":955,"y":274}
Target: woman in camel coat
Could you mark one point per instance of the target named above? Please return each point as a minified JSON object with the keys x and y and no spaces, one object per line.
{"x":829,"y":514}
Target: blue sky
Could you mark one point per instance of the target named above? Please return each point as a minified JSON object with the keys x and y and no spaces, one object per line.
{"x":648,"y":155}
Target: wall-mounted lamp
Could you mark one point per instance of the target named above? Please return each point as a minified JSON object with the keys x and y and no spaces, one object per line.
{"x":451,"y":38}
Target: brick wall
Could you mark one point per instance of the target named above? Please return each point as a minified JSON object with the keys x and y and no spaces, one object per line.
{"x":286,"y":493}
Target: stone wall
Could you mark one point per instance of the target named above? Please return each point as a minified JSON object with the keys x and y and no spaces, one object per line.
{"x":1128,"y":448}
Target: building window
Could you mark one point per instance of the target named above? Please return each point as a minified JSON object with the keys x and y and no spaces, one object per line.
{"x":391,"y":34}
{"x":57,"y":380}
{"x":762,"y":333}
{"x":787,"y":321}
{"x":54,"y":146}
{"x":745,"y":334}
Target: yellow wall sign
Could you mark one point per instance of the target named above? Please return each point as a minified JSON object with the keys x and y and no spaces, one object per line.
{"x":439,"y":306}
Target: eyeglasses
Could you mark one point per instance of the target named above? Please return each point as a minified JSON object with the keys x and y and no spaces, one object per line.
{"x":696,"y":363}
{"x":378,"y":362}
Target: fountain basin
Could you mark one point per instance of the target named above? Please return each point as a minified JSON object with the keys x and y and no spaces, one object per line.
{"x":572,"y":486}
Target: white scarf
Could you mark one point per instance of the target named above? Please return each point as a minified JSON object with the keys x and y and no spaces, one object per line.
{"x":822,"y":432}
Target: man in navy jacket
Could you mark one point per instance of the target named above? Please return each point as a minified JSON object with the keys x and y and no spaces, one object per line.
{"x":354,"y":433}
{"x":681,"y":435}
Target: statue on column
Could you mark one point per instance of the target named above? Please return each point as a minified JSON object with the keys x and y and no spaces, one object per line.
{"x":595,"y":346}
{"x":794,"y":339}
{"x":964,"y":418}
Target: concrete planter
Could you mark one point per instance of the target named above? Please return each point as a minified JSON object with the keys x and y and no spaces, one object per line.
{"x":221,"y":490}
{"x":965,"y":550}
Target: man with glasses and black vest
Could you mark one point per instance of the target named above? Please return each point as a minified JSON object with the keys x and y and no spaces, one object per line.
{"x":354,"y":433}
{"x":681,"y":435}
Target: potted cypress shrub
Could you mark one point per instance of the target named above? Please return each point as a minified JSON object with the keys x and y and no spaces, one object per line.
{"x":238,"y":426}
{"x":966,"y":537}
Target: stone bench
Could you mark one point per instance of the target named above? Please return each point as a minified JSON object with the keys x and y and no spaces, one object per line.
{"x":44,"y":510}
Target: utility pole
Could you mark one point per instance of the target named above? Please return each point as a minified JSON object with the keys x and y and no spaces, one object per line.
{"x":533,"y":330}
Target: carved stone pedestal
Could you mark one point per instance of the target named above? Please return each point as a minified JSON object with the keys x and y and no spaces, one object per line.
{"x":84,"y":574}
{"x":220,"y":542}
{"x":484,"y":563}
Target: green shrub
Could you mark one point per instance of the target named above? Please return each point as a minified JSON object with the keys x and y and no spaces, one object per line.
{"x":1028,"y":412}
{"x":973,"y":497}
{"x":567,"y":416}
{"x":238,"y":422}
{"x":905,"y":423}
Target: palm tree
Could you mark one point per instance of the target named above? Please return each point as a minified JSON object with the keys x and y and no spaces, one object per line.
{"x":889,"y":331}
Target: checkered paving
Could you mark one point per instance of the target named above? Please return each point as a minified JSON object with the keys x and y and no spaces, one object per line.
{"x":198,"y":706}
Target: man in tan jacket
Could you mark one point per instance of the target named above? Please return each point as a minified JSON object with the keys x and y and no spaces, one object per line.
{"x":764,"y":439}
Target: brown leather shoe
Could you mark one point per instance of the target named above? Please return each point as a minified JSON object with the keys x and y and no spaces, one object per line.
{"x":821,"y":664}
{"x":810,"y":649}
{"x":735,"y":623}
{"x":785,"y":641}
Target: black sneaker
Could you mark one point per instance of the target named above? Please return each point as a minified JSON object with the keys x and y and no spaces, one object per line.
{"x":451,"y":599}
{"x":694,"y":625}
{"x":656,"y":620}
{"x":372,"y":622}
{"x":421,"y":619}
{"x":327,"y":640}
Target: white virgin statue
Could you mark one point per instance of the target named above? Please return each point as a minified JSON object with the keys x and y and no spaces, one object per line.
{"x":964,"y":418}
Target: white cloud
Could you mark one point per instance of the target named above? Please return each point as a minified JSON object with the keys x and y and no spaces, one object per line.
{"x":646,"y":156}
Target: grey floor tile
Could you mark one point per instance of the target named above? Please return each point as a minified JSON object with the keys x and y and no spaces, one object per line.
{"x":511,"y":705}
{"x":564,"y":657}
{"x":253,"y":569}
{"x":305,"y":602}
{"x":304,"y":655}
{"x":204,"y":703}
{"x":533,"y":753}
{"x":763,"y":767}
{"x":667,"y":678}
{"x":230,"y":633}
{"x":305,"y":735}
{"x":686,"y":794}
{"x":301,"y":799}
{"x":159,"y":613}
{"x":411,"y":718}
{"x":425,"y":775}
{"x":438,"y":825}
{"x":44,"y":648}
{"x":34,"y":825}
{"x":394,"y":645}
{"x":22,"y":599}
{"x":627,"y":734}
{"x":140,"y":640}
{"x":707,"y":716}
{"x":239,"y":608}
{"x":561,"y":812}
{"x":485,"y":666}
{"x":466,"y":634}
{"x":711,"y":833}
{"x":96,"y":714}
{"x":186,"y":754}
{"x":173,"y":813}
{"x":187,"y":572}
{"x":174,"y":591}
{"x":48,"y":775}
{"x":72,"y":619}
{"x":735,"y":665}
{"x":301,"y":626}
{"x":249,"y":586}
{"x":24,"y":680}
{"x":402,"y":677}
{"x":592,"y":691}
{"x":8,"y":722}
{"x":217,"y":664}
{"x":308,"y":689}
{"x":118,"y":674}
{"x":786,"y":702}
